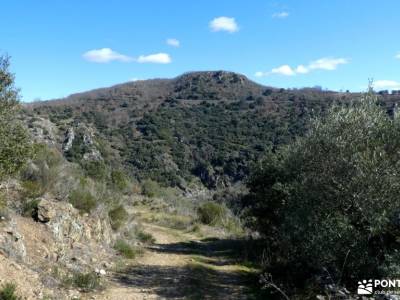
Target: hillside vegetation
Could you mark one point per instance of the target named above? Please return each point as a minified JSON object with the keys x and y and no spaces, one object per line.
{"x":202,"y":126}
{"x":208,"y":181}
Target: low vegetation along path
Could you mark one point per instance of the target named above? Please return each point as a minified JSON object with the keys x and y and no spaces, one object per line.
{"x":180,"y":265}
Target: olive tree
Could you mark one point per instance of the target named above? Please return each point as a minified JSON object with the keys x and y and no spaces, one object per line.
{"x":15,"y":146}
{"x":329,"y":203}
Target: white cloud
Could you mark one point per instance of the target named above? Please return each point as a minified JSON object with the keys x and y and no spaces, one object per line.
{"x":105,"y":55}
{"x":280,"y":15}
{"x":302,"y":69}
{"x":224,"y":24}
{"x":134,"y":79}
{"x":158,"y":58}
{"x":327,"y":63}
{"x":283,"y":70}
{"x":397,"y":55}
{"x":260,"y":74}
{"x":173,"y":42}
{"x":387,"y":84}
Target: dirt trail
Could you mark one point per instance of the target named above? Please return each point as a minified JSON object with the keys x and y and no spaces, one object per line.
{"x":179,"y":266}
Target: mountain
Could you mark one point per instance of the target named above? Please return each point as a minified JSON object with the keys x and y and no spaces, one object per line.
{"x":203,"y":128}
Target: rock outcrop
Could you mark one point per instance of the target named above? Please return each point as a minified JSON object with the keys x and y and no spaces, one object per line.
{"x":68,"y":225}
{"x":11,"y":242}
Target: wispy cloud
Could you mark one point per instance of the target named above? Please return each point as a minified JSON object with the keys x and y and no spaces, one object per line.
{"x":387,"y":84}
{"x":327,"y":64}
{"x":173,"y":42}
{"x":105,"y":55}
{"x":280,"y":15}
{"x":285,"y":70}
{"x":224,"y":24}
{"x":397,"y":55}
{"x":158,"y":58}
{"x":302,"y":69}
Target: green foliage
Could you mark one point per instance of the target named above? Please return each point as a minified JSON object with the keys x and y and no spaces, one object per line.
{"x":7,"y":292}
{"x":78,"y":148}
{"x":3,"y":205}
{"x":328,"y":202}
{"x":15,"y":147}
{"x":82,"y":200}
{"x":30,"y":208}
{"x":119,"y":180}
{"x":32,"y":189}
{"x":144,"y":237}
{"x":211,"y":213}
{"x":96,"y":169}
{"x":213,"y":126}
{"x":151,"y":188}
{"x":174,"y":221}
{"x":118,"y":217}
{"x":40,"y":175}
{"x":126,"y":250}
{"x":86,"y":281}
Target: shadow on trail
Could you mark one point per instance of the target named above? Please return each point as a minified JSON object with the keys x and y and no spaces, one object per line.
{"x":197,"y":279}
{"x":217,"y":250}
{"x":190,"y":282}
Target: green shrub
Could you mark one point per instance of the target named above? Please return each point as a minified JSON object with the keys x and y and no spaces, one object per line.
{"x":43,"y":153}
{"x":15,"y":146}
{"x":150,"y":188}
{"x":32,"y":189}
{"x":174,"y":221}
{"x":41,"y":174}
{"x":144,"y":237}
{"x":126,"y":250}
{"x":29,"y":208}
{"x":119,"y":180}
{"x":118,"y":216}
{"x":82,"y":200}
{"x":329,"y":202}
{"x":7,"y":292}
{"x":86,"y":281}
{"x":211,"y":213}
{"x":95,"y":169}
{"x":3,"y":205}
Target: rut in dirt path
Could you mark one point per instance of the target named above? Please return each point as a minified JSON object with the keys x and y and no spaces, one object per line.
{"x":189,"y":269}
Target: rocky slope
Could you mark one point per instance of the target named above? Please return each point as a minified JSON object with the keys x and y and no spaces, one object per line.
{"x":201,"y":126}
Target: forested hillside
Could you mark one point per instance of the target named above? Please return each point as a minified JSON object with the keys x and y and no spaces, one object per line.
{"x":207,"y":126}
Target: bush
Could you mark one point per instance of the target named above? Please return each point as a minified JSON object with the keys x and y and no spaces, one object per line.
{"x":30,"y":208}
{"x":118,"y":216}
{"x":3,"y":205}
{"x":86,"y":281}
{"x":119,"y":180}
{"x":125,"y":249}
{"x":96,"y":169}
{"x":150,"y":188}
{"x":211,"y":213}
{"x":174,"y":221}
{"x":7,"y":292}
{"x":329,"y":202}
{"x":82,"y":200}
{"x":144,"y":237}
{"x":15,"y":148}
{"x":41,"y":174}
{"x":32,"y":189}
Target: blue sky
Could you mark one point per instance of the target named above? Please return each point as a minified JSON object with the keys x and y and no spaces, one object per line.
{"x":63,"y":47}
